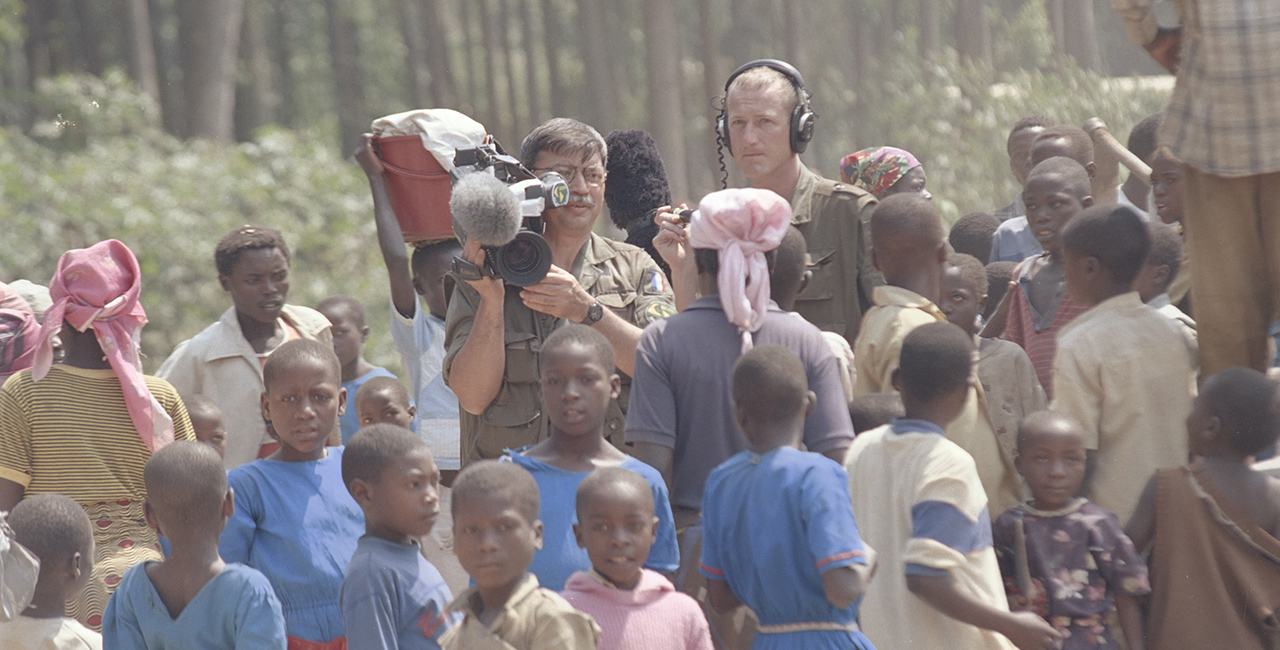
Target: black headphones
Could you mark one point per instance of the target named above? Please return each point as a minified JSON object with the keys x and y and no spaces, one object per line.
{"x":802,"y":117}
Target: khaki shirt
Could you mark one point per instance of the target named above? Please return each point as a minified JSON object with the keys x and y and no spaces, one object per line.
{"x":532,"y":619}
{"x":621,"y":276}
{"x":835,"y":220}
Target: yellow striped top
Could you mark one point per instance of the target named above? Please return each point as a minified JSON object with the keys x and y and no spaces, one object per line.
{"x":71,"y":434}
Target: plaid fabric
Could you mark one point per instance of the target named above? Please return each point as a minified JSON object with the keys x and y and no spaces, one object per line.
{"x":1224,"y":116}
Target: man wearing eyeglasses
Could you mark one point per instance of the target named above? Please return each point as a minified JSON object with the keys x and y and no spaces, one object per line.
{"x":494,"y":332}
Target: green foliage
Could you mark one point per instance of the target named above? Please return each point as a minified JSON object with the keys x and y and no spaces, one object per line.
{"x":110,"y":173}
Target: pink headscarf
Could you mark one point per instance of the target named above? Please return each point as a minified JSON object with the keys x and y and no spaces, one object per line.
{"x":98,"y":287}
{"x":742,"y":224}
{"x":19,"y":334}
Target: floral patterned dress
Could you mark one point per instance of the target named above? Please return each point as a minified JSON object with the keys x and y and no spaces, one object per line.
{"x":1077,"y":558}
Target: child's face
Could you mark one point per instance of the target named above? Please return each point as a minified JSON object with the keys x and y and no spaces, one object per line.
{"x":1050,"y":205}
{"x":302,"y":403}
{"x":1020,"y":152}
{"x":494,"y":541}
{"x":1053,"y":461}
{"x":617,"y":527}
{"x":576,"y":389}
{"x":428,"y":279}
{"x":382,"y":408}
{"x":210,"y":430}
{"x":405,"y":501}
{"x":258,"y":284}
{"x":958,"y":301}
{"x":1166,"y":187}
{"x":349,"y":333}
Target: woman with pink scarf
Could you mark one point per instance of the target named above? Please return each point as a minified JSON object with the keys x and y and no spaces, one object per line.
{"x":85,"y":427}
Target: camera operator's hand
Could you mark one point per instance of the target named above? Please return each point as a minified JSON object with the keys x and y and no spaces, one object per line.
{"x":368,"y":160}
{"x":490,"y":289}
{"x":559,"y":295}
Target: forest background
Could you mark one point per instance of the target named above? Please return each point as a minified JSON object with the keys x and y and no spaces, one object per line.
{"x":165,"y":123}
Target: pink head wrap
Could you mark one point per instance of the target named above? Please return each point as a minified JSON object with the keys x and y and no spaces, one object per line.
{"x":19,"y":334}
{"x":742,"y":224}
{"x":98,"y":287}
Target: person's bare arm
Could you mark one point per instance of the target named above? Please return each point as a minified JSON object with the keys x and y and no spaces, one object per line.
{"x":10,"y":494}
{"x":672,"y":243}
{"x":390,"y":237}
{"x":1141,"y":528}
{"x":560,"y":295}
{"x":837,"y":454}
{"x":844,"y":585}
{"x":1026,"y":630}
{"x":1131,"y":621}
{"x":999,"y":317}
{"x":655,"y":456}
{"x":1166,"y":48}
{"x":475,"y":375}
{"x":721,"y":597}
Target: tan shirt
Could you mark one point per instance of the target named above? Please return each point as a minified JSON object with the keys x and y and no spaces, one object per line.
{"x":220,"y":364}
{"x":1013,"y":391}
{"x":533,"y":618}
{"x":1125,"y":374}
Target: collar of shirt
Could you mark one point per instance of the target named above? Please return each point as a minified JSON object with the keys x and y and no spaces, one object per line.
{"x":913,"y":425}
{"x":1159,"y":301}
{"x":713,"y":302}
{"x":800,"y":210}
{"x":470,"y":603}
{"x":228,"y":340}
{"x":886,"y":295}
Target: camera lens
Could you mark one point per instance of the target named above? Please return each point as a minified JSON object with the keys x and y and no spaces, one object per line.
{"x":525,"y":260}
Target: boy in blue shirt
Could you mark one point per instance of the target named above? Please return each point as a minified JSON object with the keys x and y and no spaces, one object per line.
{"x":391,"y":596}
{"x":803,"y":572}
{"x":346,"y":315}
{"x":193,"y":599}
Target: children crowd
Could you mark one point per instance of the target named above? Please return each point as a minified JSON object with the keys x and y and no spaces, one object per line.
{"x":995,"y":455}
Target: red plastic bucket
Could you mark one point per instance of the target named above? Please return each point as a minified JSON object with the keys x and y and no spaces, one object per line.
{"x":418,"y":188}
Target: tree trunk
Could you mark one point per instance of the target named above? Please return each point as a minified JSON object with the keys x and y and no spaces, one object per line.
{"x":353,"y":116}
{"x":282,"y":56}
{"x":796,"y":34}
{"x":532,"y":86}
{"x":551,"y":45}
{"x":473,"y":66}
{"x":87,"y":44}
{"x":142,"y":50}
{"x":515,"y":99}
{"x":210,"y":35}
{"x":1054,"y":10}
{"x":164,"y":31}
{"x":415,"y":90}
{"x":444,"y":89}
{"x":593,"y":36}
{"x":1079,"y":38}
{"x":39,"y":51}
{"x":666,"y":108}
{"x":930,"y":27}
{"x":496,"y":111}
{"x":973,"y":31}
{"x":253,"y":89}
{"x":712,"y":86}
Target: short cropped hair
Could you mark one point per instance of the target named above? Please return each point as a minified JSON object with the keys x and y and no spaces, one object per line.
{"x":53,"y":527}
{"x":1112,"y":234}
{"x":563,"y":135}
{"x":906,"y":223}
{"x":587,"y":337}
{"x":607,"y":476}
{"x":765,"y":78}
{"x":1044,"y":418}
{"x":998,"y":276}
{"x":294,"y":351}
{"x":1028,"y":122}
{"x":1079,"y":144}
{"x":351,"y":304}
{"x":770,"y":384}
{"x":423,"y":253}
{"x":972,"y":234}
{"x":1142,"y":139}
{"x":1074,"y":177}
{"x":874,"y":410}
{"x":376,"y":385}
{"x":373,"y":448}
{"x":1244,"y":401}
{"x":973,"y":275}
{"x":198,"y":404}
{"x":497,"y":480}
{"x":246,"y":238}
{"x":789,"y":265}
{"x":1166,"y":247}
{"x":186,"y":483}
{"x":936,"y":360}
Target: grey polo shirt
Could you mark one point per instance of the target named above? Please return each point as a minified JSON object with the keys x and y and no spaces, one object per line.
{"x":680,"y":392}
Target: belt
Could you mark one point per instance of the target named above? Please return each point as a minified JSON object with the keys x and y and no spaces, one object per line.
{"x":785,"y":628}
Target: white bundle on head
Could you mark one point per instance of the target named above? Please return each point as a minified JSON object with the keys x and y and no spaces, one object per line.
{"x":742,"y":224}
{"x":485,"y":209}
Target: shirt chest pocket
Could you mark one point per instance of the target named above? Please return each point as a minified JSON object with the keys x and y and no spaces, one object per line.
{"x":522,"y":357}
{"x":822,"y":284}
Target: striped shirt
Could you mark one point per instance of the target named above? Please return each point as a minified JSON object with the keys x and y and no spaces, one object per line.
{"x":71,"y":434}
{"x":1037,"y":333}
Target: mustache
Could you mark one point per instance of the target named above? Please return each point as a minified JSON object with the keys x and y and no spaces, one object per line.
{"x":582,"y":198}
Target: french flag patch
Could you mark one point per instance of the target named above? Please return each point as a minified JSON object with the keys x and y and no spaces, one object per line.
{"x":657,"y":283}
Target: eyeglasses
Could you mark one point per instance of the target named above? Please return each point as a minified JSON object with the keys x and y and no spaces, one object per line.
{"x":594,"y":176}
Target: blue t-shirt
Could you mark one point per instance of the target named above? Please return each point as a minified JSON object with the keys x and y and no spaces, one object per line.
{"x":560,"y":555}
{"x":298,"y":525}
{"x":348,"y":422}
{"x":393,"y":598}
{"x":235,"y":609}
{"x":772,"y":525}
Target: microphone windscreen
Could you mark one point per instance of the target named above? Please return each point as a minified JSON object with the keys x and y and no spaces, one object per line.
{"x":485,"y":209}
{"x":637,"y":178}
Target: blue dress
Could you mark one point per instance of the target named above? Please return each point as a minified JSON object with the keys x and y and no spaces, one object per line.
{"x":772,"y":525}
{"x":298,"y":525}
{"x":560,"y":555}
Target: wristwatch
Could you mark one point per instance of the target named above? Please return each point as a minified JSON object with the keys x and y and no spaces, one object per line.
{"x":594,"y":313}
